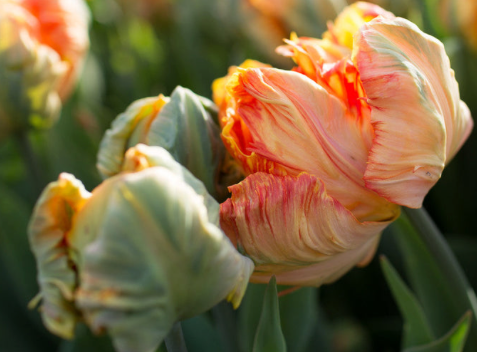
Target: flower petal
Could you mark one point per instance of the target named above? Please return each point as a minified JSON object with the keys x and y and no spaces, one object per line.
{"x":185,"y":127}
{"x":142,"y":157}
{"x":417,"y":114}
{"x":295,"y":125}
{"x":351,"y":19}
{"x":49,"y":231}
{"x":134,"y":122}
{"x":287,"y":223}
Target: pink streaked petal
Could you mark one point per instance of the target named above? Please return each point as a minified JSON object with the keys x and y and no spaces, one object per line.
{"x":417,"y":114}
{"x":286,"y":223}
{"x":324,"y":272}
{"x":296,"y":123}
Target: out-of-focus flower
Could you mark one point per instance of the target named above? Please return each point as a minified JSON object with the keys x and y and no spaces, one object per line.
{"x":332,"y":148}
{"x":267,"y":22}
{"x":182,"y":124}
{"x":42,"y":45}
{"x":460,"y":16}
{"x":139,"y":253}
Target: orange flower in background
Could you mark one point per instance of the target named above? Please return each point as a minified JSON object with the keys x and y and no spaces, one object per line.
{"x":365,"y":123}
{"x":42,"y":46}
{"x":62,"y":26}
{"x":466,"y":19}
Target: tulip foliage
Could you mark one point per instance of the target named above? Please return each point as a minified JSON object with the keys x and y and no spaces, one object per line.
{"x":236,"y":223}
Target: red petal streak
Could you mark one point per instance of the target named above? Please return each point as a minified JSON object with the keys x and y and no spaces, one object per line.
{"x":287,"y":223}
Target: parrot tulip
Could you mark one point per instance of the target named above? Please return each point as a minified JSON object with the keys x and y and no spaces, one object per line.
{"x":139,"y":253}
{"x":366,"y":122}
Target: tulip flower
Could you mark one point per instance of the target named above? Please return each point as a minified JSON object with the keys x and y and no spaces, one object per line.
{"x":182,"y":124}
{"x":42,"y":46}
{"x":366,"y":122}
{"x":139,"y":253}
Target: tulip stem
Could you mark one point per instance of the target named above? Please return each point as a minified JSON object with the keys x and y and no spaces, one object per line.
{"x":449,"y":267}
{"x":175,"y":340}
{"x":224,"y":317}
{"x":29,"y":157}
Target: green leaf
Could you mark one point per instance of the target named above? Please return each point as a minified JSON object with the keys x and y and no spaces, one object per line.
{"x":303,"y":324}
{"x":434,"y":274}
{"x":249,"y":315}
{"x":453,"y":341}
{"x":416,"y":327}
{"x":299,"y":318}
{"x":269,"y":336}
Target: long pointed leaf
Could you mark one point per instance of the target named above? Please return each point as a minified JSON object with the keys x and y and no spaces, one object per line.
{"x":269,"y":336}
{"x":435,"y":274}
{"x":453,"y":341}
{"x":416,"y":327}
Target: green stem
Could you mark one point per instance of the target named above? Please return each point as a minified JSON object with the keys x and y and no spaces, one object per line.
{"x":449,"y":269}
{"x":438,"y":246}
{"x":223,"y":315}
{"x":175,"y":340}
{"x":33,"y":169}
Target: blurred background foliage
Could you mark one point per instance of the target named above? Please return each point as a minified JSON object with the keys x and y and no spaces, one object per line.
{"x":145,"y":47}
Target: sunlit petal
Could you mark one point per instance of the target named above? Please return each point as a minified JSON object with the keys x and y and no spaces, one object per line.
{"x":295,"y":126}
{"x":417,"y":114}
{"x":49,"y":234}
{"x":287,"y":223}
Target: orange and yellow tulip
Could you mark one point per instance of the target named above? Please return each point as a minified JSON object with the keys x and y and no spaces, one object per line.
{"x":366,"y":122}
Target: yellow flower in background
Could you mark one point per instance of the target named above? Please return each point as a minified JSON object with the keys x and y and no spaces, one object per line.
{"x":466,"y":14}
{"x":366,"y":122}
{"x":42,"y":46}
{"x":139,"y":253}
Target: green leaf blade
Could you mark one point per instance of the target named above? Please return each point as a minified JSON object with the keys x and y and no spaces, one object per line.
{"x":269,"y":336}
{"x":453,"y":341}
{"x":416,"y":326}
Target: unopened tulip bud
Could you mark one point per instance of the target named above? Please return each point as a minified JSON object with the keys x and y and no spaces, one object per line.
{"x":182,"y":124}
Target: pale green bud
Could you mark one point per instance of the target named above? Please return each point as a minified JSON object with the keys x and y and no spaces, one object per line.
{"x":183,"y":125}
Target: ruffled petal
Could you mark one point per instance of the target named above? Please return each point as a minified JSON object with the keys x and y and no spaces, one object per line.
{"x":293,"y":229}
{"x":351,"y":19}
{"x":329,"y":65}
{"x":128,"y":129}
{"x":49,"y":235}
{"x":417,"y":114}
{"x":295,"y":126}
{"x":311,"y":54}
{"x":219,"y":91}
{"x":142,"y":157}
